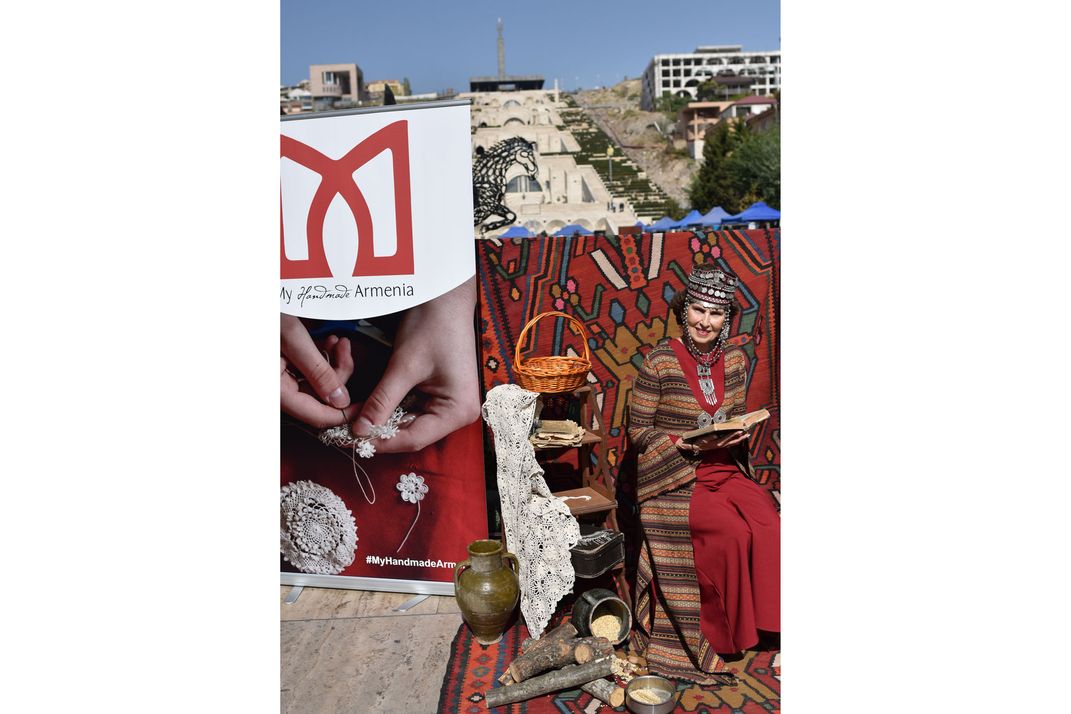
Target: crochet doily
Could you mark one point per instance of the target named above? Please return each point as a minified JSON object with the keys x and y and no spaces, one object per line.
{"x":540,"y":531}
{"x":317,"y":533}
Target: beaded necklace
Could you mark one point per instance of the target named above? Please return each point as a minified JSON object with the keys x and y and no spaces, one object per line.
{"x":703,"y":362}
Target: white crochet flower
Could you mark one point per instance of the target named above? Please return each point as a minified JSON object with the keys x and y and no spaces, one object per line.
{"x":412,"y":487}
{"x":384,"y":432}
{"x":365,"y":448}
{"x":390,"y":429}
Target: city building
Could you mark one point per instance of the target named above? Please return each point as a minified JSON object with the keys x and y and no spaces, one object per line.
{"x":509,"y":107}
{"x":681,"y":74}
{"x":375,"y":88}
{"x":748,"y":107}
{"x":696,"y":118}
{"x":528,"y":108}
{"x":764,"y":120}
{"x":693,"y":121}
{"x":425,"y":97}
{"x":296,"y":98}
{"x":333,"y":84}
{"x":506,"y":83}
{"x":562,"y":192}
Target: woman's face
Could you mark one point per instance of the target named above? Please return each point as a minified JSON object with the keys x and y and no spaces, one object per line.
{"x":704,"y":324}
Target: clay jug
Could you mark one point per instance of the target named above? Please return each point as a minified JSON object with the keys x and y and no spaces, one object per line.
{"x":487,"y":591}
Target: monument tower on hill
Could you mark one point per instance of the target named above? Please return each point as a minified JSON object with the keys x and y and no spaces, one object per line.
{"x":501,"y":52}
{"x":504,"y":82}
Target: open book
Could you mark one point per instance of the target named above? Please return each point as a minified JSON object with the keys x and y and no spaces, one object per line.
{"x":735,"y":424}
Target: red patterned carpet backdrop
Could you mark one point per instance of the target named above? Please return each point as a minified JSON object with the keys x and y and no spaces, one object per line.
{"x":620,"y":288}
{"x":473,"y":670}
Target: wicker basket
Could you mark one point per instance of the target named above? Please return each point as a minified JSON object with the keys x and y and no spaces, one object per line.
{"x":551,"y":375}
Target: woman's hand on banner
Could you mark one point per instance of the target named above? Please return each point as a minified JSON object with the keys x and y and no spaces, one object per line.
{"x":313,"y":387}
{"x":434,"y":353}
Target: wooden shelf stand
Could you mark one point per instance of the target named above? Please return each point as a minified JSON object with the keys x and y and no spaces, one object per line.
{"x":594,"y":479}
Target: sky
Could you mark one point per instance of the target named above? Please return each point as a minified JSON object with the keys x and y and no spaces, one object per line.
{"x":439,"y":44}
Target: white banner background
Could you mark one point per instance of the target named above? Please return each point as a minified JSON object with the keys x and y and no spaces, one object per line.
{"x":440,"y":171}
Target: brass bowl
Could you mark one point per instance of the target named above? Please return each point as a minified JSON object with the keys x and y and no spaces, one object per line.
{"x":659,"y":684}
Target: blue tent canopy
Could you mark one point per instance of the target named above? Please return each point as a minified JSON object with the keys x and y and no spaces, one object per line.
{"x":757,"y":211}
{"x":714,"y":216}
{"x":571,"y":229}
{"x":661,"y":224}
{"x":692,"y":219}
{"x":517,"y":232}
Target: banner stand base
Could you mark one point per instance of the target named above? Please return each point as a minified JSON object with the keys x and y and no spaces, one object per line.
{"x":347,"y":582}
{"x":411,"y":602}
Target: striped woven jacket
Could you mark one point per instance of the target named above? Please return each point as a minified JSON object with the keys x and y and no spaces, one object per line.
{"x":662,"y":403}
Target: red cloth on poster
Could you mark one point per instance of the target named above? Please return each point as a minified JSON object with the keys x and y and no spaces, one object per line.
{"x":736,"y":539}
{"x":452,"y":513}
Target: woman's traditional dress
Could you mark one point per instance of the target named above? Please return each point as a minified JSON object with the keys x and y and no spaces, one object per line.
{"x":709,"y":572}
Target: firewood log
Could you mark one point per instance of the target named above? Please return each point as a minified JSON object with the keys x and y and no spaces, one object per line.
{"x":553,"y":655}
{"x":606,"y":691}
{"x":563,"y":631}
{"x":564,"y":678}
{"x":591,"y":648}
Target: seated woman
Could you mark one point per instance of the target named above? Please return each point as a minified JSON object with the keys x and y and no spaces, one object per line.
{"x":708,"y":578}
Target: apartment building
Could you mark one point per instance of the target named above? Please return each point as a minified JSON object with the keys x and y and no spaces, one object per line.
{"x":331,"y":83}
{"x":696,"y":118}
{"x":377,"y":87}
{"x":681,"y":74}
{"x":693,"y":121}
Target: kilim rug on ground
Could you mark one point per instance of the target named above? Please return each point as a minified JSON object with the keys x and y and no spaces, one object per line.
{"x":474,"y":669}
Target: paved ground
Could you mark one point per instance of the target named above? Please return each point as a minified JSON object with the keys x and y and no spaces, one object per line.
{"x":350,"y":651}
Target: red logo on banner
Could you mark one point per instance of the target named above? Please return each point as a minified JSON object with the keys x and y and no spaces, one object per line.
{"x":336,"y":178}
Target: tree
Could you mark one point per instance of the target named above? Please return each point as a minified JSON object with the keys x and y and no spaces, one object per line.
{"x":713,"y":90}
{"x":672,"y":208}
{"x":740,"y":166}
{"x":406,"y":89}
{"x":712,"y":185}
{"x":671,"y":105}
{"x":755,"y":166}
{"x":710,"y":91}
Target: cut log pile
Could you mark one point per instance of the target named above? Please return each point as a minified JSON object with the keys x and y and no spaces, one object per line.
{"x":559,"y":660}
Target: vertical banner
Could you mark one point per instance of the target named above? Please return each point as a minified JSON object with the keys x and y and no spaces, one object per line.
{"x":376,"y":266}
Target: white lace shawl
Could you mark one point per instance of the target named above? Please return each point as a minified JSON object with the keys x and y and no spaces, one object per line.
{"x":540,"y":531}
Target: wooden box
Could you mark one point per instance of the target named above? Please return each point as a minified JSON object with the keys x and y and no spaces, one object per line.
{"x":598,"y":552}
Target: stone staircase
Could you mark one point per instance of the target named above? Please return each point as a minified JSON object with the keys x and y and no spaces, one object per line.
{"x":646,"y":199}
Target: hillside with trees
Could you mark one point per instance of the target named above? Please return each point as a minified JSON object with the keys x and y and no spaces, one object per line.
{"x":740,"y":166}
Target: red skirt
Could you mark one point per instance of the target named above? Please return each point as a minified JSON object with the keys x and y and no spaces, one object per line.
{"x":736,"y":536}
